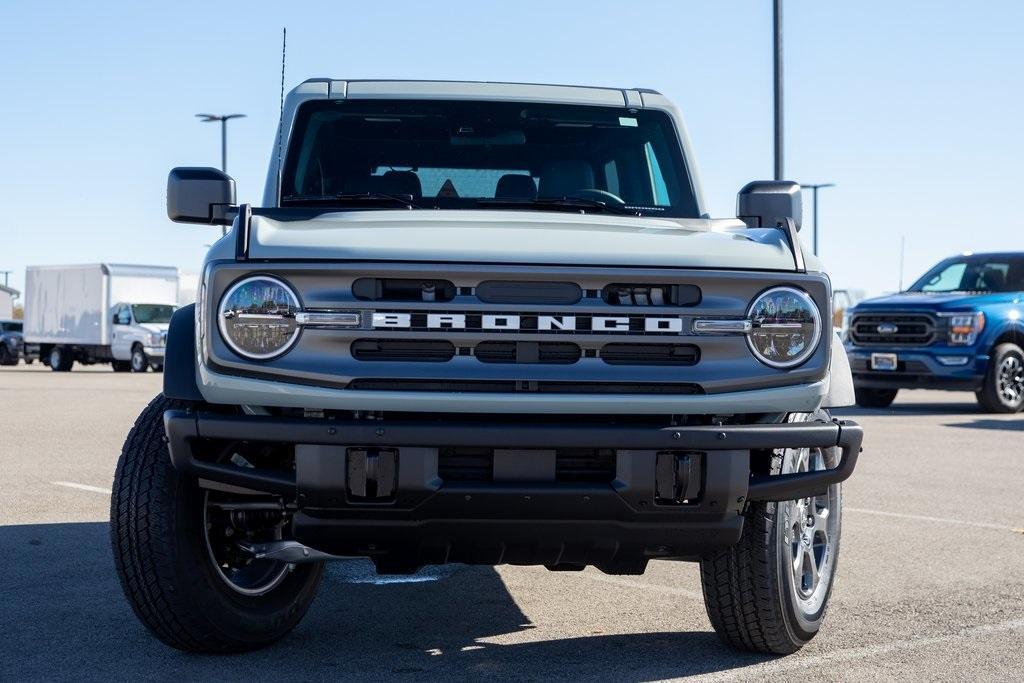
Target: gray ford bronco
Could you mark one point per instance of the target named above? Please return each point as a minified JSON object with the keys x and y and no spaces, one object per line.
{"x":490,"y":324}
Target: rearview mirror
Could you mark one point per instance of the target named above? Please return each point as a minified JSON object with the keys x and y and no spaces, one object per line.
{"x":768,"y":203}
{"x":200,"y":195}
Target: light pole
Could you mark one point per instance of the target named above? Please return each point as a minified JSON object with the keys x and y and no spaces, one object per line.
{"x":777,"y":82}
{"x":223,"y":118}
{"x":814,"y":195}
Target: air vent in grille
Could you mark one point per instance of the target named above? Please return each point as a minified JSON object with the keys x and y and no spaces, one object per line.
{"x":501,"y":292}
{"x":406,"y":350}
{"x":561,"y":353}
{"x":396,"y":289}
{"x":584,"y":465}
{"x":465,"y":464}
{"x":896,"y":329}
{"x":626,"y":294}
{"x":650,"y":354}
{"x":499,"y":386}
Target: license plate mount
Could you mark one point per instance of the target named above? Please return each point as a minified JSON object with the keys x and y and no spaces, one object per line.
{"x":884,"y":362}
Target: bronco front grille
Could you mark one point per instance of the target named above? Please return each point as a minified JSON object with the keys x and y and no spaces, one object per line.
{"x":893,"y":329}
{"x":511,"y":386}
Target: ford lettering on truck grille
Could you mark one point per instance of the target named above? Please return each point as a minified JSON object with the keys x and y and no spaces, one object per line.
{"x":525,"y":322}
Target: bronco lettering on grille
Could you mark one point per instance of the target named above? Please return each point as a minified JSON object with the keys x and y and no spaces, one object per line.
{"x":525,"y":322}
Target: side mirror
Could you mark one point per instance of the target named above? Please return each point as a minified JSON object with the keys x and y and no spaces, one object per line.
{"x":200,"y":195}
{"x":767,"y":203}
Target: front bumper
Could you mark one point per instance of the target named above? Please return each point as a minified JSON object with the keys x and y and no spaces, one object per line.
{"x":919,"y":368}
{"x":522,"y":516}
{"x":155,"y":353}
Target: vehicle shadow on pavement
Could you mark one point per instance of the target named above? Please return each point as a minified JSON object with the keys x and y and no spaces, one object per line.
{"x":904,"y":409}
{"x":1009,"y":425}
{"x":67,"y":619}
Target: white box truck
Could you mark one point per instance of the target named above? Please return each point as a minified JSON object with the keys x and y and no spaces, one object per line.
{"x":99,"y":313}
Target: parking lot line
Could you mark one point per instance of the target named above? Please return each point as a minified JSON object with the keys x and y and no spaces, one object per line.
{"x":81,"y":487}
{"x":855,"y":653}
{"x":940,"y":520}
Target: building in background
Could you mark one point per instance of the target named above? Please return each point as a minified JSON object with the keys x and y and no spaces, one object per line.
{"x":7,"y":297}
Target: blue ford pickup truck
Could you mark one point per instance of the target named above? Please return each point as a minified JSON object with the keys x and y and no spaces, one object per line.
{"x":959,"y":327}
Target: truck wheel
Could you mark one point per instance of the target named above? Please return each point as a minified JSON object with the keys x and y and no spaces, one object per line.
{"x":139,"y":360}
{"x":1003,"y":391}
{"x":6,"y":357}
{"x":60,"y":359}
{"x":874,"y":398}
{"x":121,"y":365}
{"x":176,"y":556}
{"x":769,"y":593}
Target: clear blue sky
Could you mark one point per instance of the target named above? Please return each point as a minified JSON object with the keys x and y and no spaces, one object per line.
{"x":913,"y":109}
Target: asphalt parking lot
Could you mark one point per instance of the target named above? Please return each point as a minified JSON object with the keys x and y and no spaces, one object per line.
{"x":930,"y":587}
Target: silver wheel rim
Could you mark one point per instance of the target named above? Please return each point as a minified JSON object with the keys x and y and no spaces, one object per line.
{"x":811,"y":532}
{"x":267,"y":576}
{"x":1011,"y":379}
{"x":54,"y":358}
{"x":138,"y":361}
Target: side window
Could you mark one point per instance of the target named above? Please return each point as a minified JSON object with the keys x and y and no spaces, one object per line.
{"x":124,"y":316}
{"x":657,"y":177}
{"x":948,"y":280}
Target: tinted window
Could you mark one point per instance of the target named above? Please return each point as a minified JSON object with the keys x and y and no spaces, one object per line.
{"x":454,"y":154}
{"x":152,"y":313}
{"x":974,"y":274}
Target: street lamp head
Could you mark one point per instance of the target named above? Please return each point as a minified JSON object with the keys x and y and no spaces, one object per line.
{"x":208,"y":118}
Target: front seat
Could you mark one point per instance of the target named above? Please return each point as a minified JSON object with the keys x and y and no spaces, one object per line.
{"x":401,"y":182}
{"x":563,"y":178}
{"x":515,"y":186}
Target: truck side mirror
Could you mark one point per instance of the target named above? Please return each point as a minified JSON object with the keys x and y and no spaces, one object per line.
{"x":200,"y":195}
{"x":768,"y":203}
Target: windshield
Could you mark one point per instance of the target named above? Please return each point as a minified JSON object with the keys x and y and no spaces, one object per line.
{"x":152,"y":313}
{"x":974,"y":274}
{"x":494,"y":155}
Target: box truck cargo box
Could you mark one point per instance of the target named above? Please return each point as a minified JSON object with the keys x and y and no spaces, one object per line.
{"x":99,"y":313}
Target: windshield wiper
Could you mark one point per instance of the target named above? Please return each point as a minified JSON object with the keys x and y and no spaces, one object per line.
{"x":350,"y":198}
{"x":556,"y":202}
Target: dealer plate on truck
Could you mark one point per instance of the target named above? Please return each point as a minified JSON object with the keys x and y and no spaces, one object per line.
{"x":883,"y":361}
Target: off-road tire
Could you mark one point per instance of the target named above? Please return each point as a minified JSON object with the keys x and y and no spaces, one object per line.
{"x":990,"y":397}
{"x":121,"y":365}
{"x":156,"y":517}
{"x":875,"y":398}
{"x":746,"y":592}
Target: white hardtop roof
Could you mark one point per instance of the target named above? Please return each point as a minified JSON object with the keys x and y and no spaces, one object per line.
{"x":480,"y":90}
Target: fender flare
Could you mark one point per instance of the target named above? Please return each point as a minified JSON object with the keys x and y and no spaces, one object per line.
{"x":840,"y":386}
{"x":180,"y":356}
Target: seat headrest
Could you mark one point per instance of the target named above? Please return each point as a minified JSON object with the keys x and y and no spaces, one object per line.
{"x":562,"y":178}
{"x":515,"y":186}
{"x":392,"y":182}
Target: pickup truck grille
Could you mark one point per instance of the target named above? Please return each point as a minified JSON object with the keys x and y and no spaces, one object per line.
{"x":893,"y":329}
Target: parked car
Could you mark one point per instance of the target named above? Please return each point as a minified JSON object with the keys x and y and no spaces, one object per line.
{"x":10,"y":341}
{"x":959,"y":327}
{"x":487,"y":323}
{"x":99,"y":313}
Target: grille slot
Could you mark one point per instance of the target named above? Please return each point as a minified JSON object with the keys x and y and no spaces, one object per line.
{"x":628,"y":294}
{"x":501,"y":292}
{"x":465,"y":464}
{"x":403,"y":350}
{"x":397,"y":289}
{"x":911,"y":329}
{"x":650,"y":354}
{"x":572,"y":465}
{"x":559,"y":353}
{"x":511,"y":386}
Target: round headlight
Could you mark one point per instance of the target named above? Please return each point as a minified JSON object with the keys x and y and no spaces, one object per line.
{"x":257,"y":317}
{"x":785,"y":327}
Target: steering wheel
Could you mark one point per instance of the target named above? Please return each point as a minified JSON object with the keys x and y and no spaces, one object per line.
{"x":598,"y":195}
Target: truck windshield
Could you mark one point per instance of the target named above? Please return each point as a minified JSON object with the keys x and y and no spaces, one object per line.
{"x":368,"y":154}
{"x":152,"y":313}
{"x":974,"y":274}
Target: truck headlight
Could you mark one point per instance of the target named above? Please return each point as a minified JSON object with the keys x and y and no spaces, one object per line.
{"x":256,"y":317}
{"x":964,"y":328}
{"x":785,"y":327}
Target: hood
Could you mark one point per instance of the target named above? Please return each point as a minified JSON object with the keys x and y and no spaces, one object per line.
{"x":155,"y":327}
{"x":941,"y":301}
{"x":521,"y":237}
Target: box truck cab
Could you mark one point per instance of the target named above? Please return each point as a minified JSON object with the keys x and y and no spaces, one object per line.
{"x":99,"y":313}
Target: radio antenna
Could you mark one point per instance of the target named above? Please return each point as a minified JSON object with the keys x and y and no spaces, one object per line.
{"x":280,"y":119}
